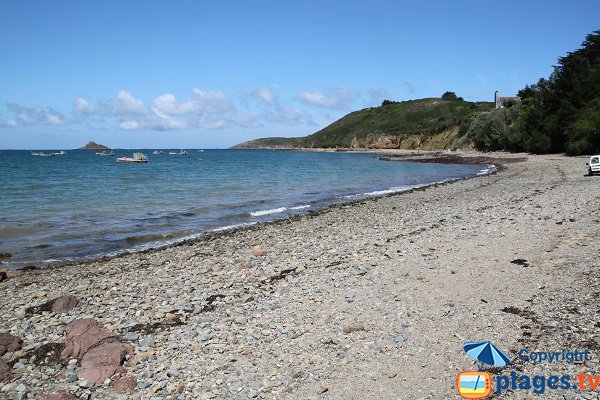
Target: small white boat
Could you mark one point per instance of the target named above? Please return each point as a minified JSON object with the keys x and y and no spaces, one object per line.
{"x":106,"y":153}
{"x":137,"y":158}
{"x":42,"y":154}
{"x":181,"y":153}
{"x":157,"y":152}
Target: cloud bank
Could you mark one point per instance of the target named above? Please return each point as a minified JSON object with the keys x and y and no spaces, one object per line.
{"x":202,"y":109}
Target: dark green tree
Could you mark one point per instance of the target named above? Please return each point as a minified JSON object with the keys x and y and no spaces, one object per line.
{"x":449,"y":96}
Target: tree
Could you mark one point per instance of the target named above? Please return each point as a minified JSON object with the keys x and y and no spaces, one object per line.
{"x":449,"y":96}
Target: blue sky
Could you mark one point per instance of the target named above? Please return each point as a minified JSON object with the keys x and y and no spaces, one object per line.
{"x":200,"y":74}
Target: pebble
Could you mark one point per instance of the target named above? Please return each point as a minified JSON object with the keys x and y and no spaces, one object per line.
{"x":86,"y":383}
{"x":257,"y":332}
{"x":353,"y":328}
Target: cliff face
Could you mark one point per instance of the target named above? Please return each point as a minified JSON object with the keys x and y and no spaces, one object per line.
{"x":94,"y":146}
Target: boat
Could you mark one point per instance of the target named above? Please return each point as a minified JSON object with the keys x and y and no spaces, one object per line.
{"x":137,"y":158}
{"x":42,"y":154}
{"x":157,"y":152}
{"x":105,"y":153}
{"x":181,"y":153}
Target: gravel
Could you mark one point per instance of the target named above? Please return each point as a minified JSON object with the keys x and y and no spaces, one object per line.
{"x":371,"y":300}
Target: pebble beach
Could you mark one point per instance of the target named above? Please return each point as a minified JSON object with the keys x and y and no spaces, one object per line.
{"x":368,"y":300}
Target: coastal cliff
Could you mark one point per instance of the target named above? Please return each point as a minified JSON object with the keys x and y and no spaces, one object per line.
{"x":424,"y":124}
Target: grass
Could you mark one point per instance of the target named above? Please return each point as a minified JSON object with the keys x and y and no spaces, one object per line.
{"x":429,"y":123}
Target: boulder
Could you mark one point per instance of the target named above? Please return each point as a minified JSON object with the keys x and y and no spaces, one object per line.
{"x":99,"y":351}
{"x":125,"y":384}
{"x":9,"y":343}
{"x":3,"y":276}
{"x":84,"y":334}
{"x":60,"y":304}
{"x":102,"y":362}
{"x":6,"y":374}
{"x":64,"y":303}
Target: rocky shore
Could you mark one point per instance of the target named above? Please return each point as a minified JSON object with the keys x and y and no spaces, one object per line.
{"x":371,"y":300}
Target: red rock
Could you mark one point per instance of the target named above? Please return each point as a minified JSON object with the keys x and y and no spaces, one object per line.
{"x":60,"y":395}
{"x":125,"y":384}
{"x":102,"y":362}
{"x":5,"y":372}
{"x":64,"y":303}
{"x":83,"y":335}
{"x":99,"y":351}
{"x":99,"y":374}
{"x":106,"y":354}
{"x":9,"y":343}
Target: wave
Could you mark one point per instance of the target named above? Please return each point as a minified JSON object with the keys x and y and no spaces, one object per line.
{"x":300,"y":207}
{"x":260,"y":213}
{"x":490,"y":168}
{"x":230,"y":227}
{"x":378,"y":193}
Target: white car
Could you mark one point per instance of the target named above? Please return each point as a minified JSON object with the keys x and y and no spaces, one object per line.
{"x":594,"y":165}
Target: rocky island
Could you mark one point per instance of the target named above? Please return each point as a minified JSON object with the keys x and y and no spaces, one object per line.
{"x":94,"y":146}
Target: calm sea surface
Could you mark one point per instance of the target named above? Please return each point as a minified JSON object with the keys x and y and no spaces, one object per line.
{"x":55,"y":209}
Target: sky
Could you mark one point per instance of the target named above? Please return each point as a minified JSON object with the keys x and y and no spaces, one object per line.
{"x":210,"y":74}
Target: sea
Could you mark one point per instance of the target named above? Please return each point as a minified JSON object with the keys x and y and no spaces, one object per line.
{"x":59,"y":209}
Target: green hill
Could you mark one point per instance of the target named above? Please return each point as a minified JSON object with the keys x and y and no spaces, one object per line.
{"x":269,"y":143}
{"x":415,"y":124}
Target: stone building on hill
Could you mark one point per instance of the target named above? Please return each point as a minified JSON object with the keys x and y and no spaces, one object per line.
{"x":501,"y":100}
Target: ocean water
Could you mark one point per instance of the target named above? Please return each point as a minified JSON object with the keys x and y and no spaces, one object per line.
{"x":56,"y":209}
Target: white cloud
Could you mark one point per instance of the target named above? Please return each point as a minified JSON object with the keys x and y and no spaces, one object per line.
{"x":129,"y":125}
{"x":24,"y":116}
{"x":82,"y":106}
{"x":202,"y":109}
{"x":126,"y":104}
{"x":167,"y":103}
{"x":336,"y":98}
{"x":266,"y":95}
{"x":292,"y":116}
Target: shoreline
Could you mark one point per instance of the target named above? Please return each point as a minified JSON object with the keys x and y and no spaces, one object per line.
{"x":424,"y":156}
{"x":369,"y":300}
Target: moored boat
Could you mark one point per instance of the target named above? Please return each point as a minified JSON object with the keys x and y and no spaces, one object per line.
{"x":137,"y":158}
{"x":42,"y":154}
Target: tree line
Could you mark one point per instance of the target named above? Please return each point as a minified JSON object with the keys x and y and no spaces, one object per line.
{"x":557,"y":114}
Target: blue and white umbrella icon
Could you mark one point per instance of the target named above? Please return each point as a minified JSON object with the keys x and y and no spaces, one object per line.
{"x":487,"y":353}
